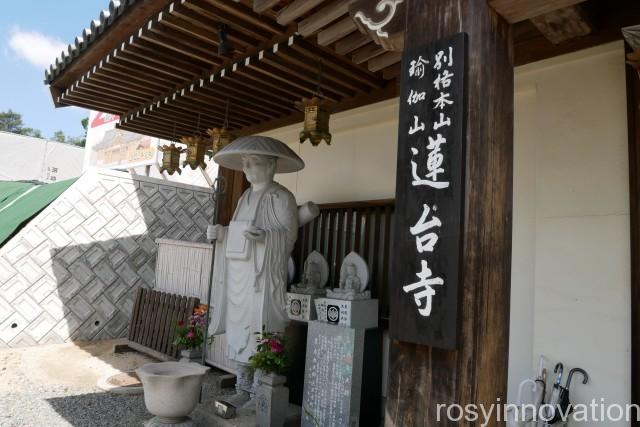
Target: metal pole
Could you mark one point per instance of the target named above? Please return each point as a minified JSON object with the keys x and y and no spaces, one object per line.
{"x":219,"y":188}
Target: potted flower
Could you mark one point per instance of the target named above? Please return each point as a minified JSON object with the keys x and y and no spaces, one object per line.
{"x":190,"y":334}
{"x":269,"y":363}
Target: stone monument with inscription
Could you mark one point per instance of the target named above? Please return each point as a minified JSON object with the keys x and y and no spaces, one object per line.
{"x":335,"y":349}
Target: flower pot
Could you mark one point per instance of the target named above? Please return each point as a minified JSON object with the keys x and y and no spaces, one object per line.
{"x":272,"y":401}
{"x":171,"y":391}
{"x":192,"y":355}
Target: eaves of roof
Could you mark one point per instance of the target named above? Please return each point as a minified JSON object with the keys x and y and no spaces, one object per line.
{"x":112,"y":24}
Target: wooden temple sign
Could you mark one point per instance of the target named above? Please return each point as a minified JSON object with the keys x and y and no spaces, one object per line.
{"x":382,"y":20}
{"x":426,"y":277}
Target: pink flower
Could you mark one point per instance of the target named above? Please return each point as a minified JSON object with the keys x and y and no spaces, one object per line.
{"x":190,"y":335}
{"x":276,"y":346}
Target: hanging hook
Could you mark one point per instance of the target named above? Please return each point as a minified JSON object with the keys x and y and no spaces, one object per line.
{"x":226,"y":116}
{"x":318,"y":85}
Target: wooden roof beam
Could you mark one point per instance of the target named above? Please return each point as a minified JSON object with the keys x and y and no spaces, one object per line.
{"x":185,"y":27}
{"x":520,"y":10}
{"x":285,"y":99}
{"x":186,"y":49}
{"x":89,"y":106}
{"x":93,"y":103}
{"x":210,"y":11}
{"x":153,"y":133}
{"x":385,"y":60}
{"x":340,"y":29}
{"x":123,"y":72}
{"x":209,"y":29}
{"x":131,"y":86}
{"x":338,"y":77}
{"x":295,"y":10}
{"x":187,"y":109}
{"x":183,"y":127}
{"x":339,"y":63}
{"x":163,"y":58}
{"x":250,"y":73}
{"x":351,"y":43}
{"x":141,"y":61}
{"x":307,"y":74}
{"x":248,"y":14}
{"x":366,"y":53}
{"x":226,"y":83}
{"x":261,"y":6}
{"x":325,"y":16}
{"x":564,"y":24}
{"x":108,"y":90}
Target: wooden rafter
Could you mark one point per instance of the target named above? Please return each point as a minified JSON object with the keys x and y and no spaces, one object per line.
{"x":167,"y":73}
{"x":520,"y":10}
{"x":563,"y":24}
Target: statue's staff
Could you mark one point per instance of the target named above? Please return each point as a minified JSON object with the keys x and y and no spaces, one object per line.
{"x":219,"y":188}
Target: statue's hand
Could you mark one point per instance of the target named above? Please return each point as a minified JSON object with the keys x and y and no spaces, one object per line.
{"x":255,"y":233}
{"x":215,"y":232}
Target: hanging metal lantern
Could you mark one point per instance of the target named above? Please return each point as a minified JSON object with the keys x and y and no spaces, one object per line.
{"x":171,"y":158}
{"x":220,"y":137}
{"x":316,"y":120}
{"x":197,"y":147}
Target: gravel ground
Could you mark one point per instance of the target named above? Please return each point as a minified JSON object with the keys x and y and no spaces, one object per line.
{"x":55,"y":385}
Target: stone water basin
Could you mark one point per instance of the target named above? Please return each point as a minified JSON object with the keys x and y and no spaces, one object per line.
{"x":171,"y":390}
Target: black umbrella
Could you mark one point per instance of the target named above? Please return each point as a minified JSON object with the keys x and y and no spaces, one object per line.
{"x":563,"y":406}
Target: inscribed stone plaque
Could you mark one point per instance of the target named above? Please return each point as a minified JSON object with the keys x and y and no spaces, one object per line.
{"x":333,"y":376}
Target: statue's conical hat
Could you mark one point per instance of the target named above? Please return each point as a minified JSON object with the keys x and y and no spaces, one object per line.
{"x":231,"y":156}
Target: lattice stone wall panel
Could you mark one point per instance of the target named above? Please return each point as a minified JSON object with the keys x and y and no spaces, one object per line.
{"x":71,"y":273}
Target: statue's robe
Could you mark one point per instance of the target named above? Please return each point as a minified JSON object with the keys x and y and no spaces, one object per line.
{"x":250,"y":295}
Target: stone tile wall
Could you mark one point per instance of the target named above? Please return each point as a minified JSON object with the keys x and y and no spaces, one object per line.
{"x":72,"y":272}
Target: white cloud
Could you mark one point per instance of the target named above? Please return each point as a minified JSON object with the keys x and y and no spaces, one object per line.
{"x":35,"y":47}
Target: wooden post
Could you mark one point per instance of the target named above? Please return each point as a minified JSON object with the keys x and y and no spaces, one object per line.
{"x":421,"y":377}
{"x":633,"y":124}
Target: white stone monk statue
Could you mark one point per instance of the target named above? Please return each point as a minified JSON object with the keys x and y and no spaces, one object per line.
{"x":250,"y":273}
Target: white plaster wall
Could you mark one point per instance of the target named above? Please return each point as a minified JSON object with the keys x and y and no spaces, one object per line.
{"x":360,"y":163}
{"x":571,"y":271}
{"x":570,"y":266}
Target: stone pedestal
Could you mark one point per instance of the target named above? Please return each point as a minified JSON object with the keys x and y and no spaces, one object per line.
{"x":191,"y":355}
{"x":204,"y":415}
{"x":334,"y":360}
{"x":353,"y":313}
{"x":272,"y":401}
{"x":301,"y":307}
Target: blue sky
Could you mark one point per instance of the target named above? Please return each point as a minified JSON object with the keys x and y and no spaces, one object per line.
{"x":32,"y":33}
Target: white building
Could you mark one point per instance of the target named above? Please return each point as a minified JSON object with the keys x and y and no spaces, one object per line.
{"x":25,"y":158}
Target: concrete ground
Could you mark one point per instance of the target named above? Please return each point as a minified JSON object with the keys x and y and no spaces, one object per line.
{"x":55,"y":385}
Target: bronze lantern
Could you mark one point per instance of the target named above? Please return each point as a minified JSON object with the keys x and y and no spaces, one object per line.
{"x":220,"y":138}
{"x":171,"y":158}
{"x":316,"y":120}
{"x":197,"y":147}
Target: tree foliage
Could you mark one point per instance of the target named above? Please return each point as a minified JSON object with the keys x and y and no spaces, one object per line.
{"x":10,"y":121}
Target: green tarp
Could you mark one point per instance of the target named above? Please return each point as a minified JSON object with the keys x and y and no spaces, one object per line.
{"x":21,"y":201}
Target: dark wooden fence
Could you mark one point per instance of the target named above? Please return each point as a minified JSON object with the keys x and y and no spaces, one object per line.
{"x":155,"y":317}
{"x":363,"y":227}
